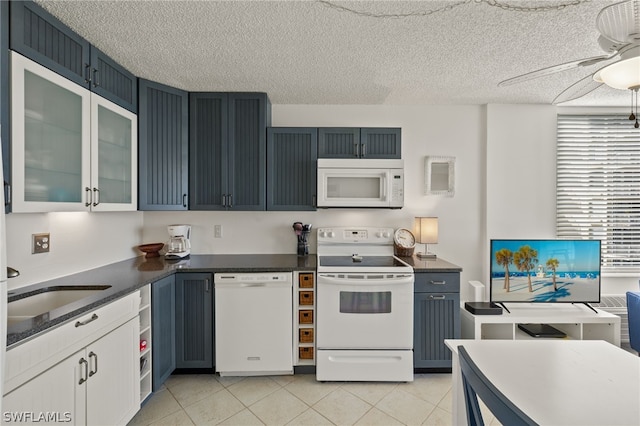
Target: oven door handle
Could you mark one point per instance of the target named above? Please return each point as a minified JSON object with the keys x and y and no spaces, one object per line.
{"x":401,"y":279}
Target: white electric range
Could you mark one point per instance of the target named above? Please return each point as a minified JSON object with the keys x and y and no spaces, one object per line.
{"x":364,"y":307}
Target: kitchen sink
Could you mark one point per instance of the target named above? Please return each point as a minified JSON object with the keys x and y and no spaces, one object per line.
{"x":48,"y":299}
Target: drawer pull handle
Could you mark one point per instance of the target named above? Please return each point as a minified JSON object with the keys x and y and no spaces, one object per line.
{"x":441,"y":282}
{"x":85,"y":322}
{"x":437,"y":297}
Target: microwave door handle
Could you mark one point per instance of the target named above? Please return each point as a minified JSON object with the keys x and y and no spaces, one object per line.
{"x":385,"y":182}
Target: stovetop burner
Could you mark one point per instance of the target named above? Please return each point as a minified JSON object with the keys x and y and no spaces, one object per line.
{"x":361,"y":261}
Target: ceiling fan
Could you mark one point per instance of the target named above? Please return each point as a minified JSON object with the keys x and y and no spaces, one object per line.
{"x":619,"y":27}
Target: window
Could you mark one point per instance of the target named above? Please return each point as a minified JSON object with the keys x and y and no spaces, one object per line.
{"x":598,"y":186}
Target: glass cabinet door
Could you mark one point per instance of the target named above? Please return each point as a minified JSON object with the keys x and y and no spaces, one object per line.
{"x":114,"y":156}
{"x":50,"y":134}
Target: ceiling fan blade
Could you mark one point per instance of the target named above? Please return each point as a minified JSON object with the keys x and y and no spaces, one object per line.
{"x":577,"y":90}
{"x":620,"y":22}
{"x":556,"y":68}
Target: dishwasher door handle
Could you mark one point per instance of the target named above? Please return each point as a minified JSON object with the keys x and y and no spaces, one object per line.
{"x":253,"y":284}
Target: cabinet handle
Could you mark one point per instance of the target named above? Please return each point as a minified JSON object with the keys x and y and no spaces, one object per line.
{"x":230,"y":200}
{"x":96,"y":191}
{"x":207,"y":285}
{"x":86,"y":369}
{"x":437,"y":297}
{"x":95,"y":77}
{"x":184,"y":200}
{"x":355,"y":149}
{"x":93,"y":354}
{"x":363,"y":150}
{"x":87,"y":193}
{"x":314,"y":201}
{"x":224,"y":200}
{"x":87,"y":73}
{"x":85,"y":322}
{"x":442,"y":282}
{"x":7,"y":193}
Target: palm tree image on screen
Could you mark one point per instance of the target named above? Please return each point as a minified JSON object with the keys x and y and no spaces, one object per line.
{"x":525,"y":259}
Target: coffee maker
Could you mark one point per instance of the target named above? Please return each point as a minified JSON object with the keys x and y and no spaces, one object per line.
{"x":178,"y":246}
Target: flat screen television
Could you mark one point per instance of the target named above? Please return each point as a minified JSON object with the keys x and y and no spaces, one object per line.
{"x":549,"y":271}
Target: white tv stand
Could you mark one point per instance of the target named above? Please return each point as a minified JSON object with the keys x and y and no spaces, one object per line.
{"x":578,"y":321}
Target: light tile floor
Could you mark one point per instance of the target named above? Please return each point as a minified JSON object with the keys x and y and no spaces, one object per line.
{"x":297,"y":400}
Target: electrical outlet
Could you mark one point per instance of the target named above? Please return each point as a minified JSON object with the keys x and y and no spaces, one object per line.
{"x":217,"y":231}
{"x":41,"y":243}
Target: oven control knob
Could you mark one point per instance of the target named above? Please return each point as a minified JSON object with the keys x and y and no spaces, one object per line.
{"x":386,"y":234}
{"x":331,"y":234}
{"x":323,"y":234}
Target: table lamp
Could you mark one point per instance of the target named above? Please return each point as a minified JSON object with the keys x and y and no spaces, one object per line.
{"x":426,"y":233}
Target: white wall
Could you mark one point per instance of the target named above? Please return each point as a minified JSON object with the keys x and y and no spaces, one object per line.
{"x":79,"y":241}
{"x":521,"y":176}
{"x":426,"y":130}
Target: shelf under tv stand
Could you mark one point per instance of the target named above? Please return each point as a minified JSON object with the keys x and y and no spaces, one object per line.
{"x":579,"y":322}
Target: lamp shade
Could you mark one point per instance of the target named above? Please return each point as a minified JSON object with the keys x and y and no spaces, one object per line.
{"x":426,"y":230}
{"x":624,"y":74}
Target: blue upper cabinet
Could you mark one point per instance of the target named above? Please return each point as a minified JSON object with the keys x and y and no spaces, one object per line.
{"x":227,"y":150}
{"x":292,"y":160}
{"x":112,"y":81}
{"x":339,"y":142}
{"x":355,"y":142}
{"x":380,"y":142}
{"x":40,"y":36}
{"x":163,"y":141}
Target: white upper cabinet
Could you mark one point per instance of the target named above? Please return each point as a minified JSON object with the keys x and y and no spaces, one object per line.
{"x":114,"y":149}
{"x":71,"y":149}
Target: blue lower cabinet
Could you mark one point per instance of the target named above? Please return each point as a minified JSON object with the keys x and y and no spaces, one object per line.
{"x":194,"y":321}
{"x":163,"y":329}
{"x":436,"y":313}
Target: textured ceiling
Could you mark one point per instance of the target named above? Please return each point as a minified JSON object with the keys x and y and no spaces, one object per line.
{"x":306,"y":52}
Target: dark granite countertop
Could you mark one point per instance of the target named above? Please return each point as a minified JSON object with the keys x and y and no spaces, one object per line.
{"x":435,"y":265}
{"x":129,"y":275}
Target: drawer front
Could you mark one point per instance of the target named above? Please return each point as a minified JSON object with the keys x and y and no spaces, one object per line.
{"x":28,"y":359}
{"x":305,"y":280}
{"x":437,"y":282}
{"x":305,"y":335}
{"x":305,"y":317}
{"x":305,"y":298}
{"x":305,"y":353}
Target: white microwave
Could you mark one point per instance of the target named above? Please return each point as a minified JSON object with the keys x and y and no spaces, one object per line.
{"x":367,"y":183}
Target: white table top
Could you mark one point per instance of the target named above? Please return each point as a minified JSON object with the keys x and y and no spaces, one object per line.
{"x":576,"y":382}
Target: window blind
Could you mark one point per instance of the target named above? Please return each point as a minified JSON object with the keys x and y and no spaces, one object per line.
{"x":598,"y":186}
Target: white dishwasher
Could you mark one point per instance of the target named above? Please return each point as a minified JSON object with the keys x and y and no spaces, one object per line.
{"x":253,"y":323}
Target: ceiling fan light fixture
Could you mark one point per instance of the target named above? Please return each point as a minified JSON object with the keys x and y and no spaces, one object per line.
{"x":621,"y":75}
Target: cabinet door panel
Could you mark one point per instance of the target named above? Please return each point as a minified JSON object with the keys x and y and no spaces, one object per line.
{"x":208,"y":147}
{"x":340,"y":142}
{"x":164,"y":147}
{"x":40,"y":36}
{"x":292,"y":161}
{"x":247,"y":150}
{"x":194,"y":321}
{"x":114,"y":156}
{"x":163,"y":329}
{"x":50,"y":139}
{"x":436,"y":317}
{"x":113,"y":387}
{"x":56,"y":391}
{"x":111,"y":81}
{"x":380,"y":143}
